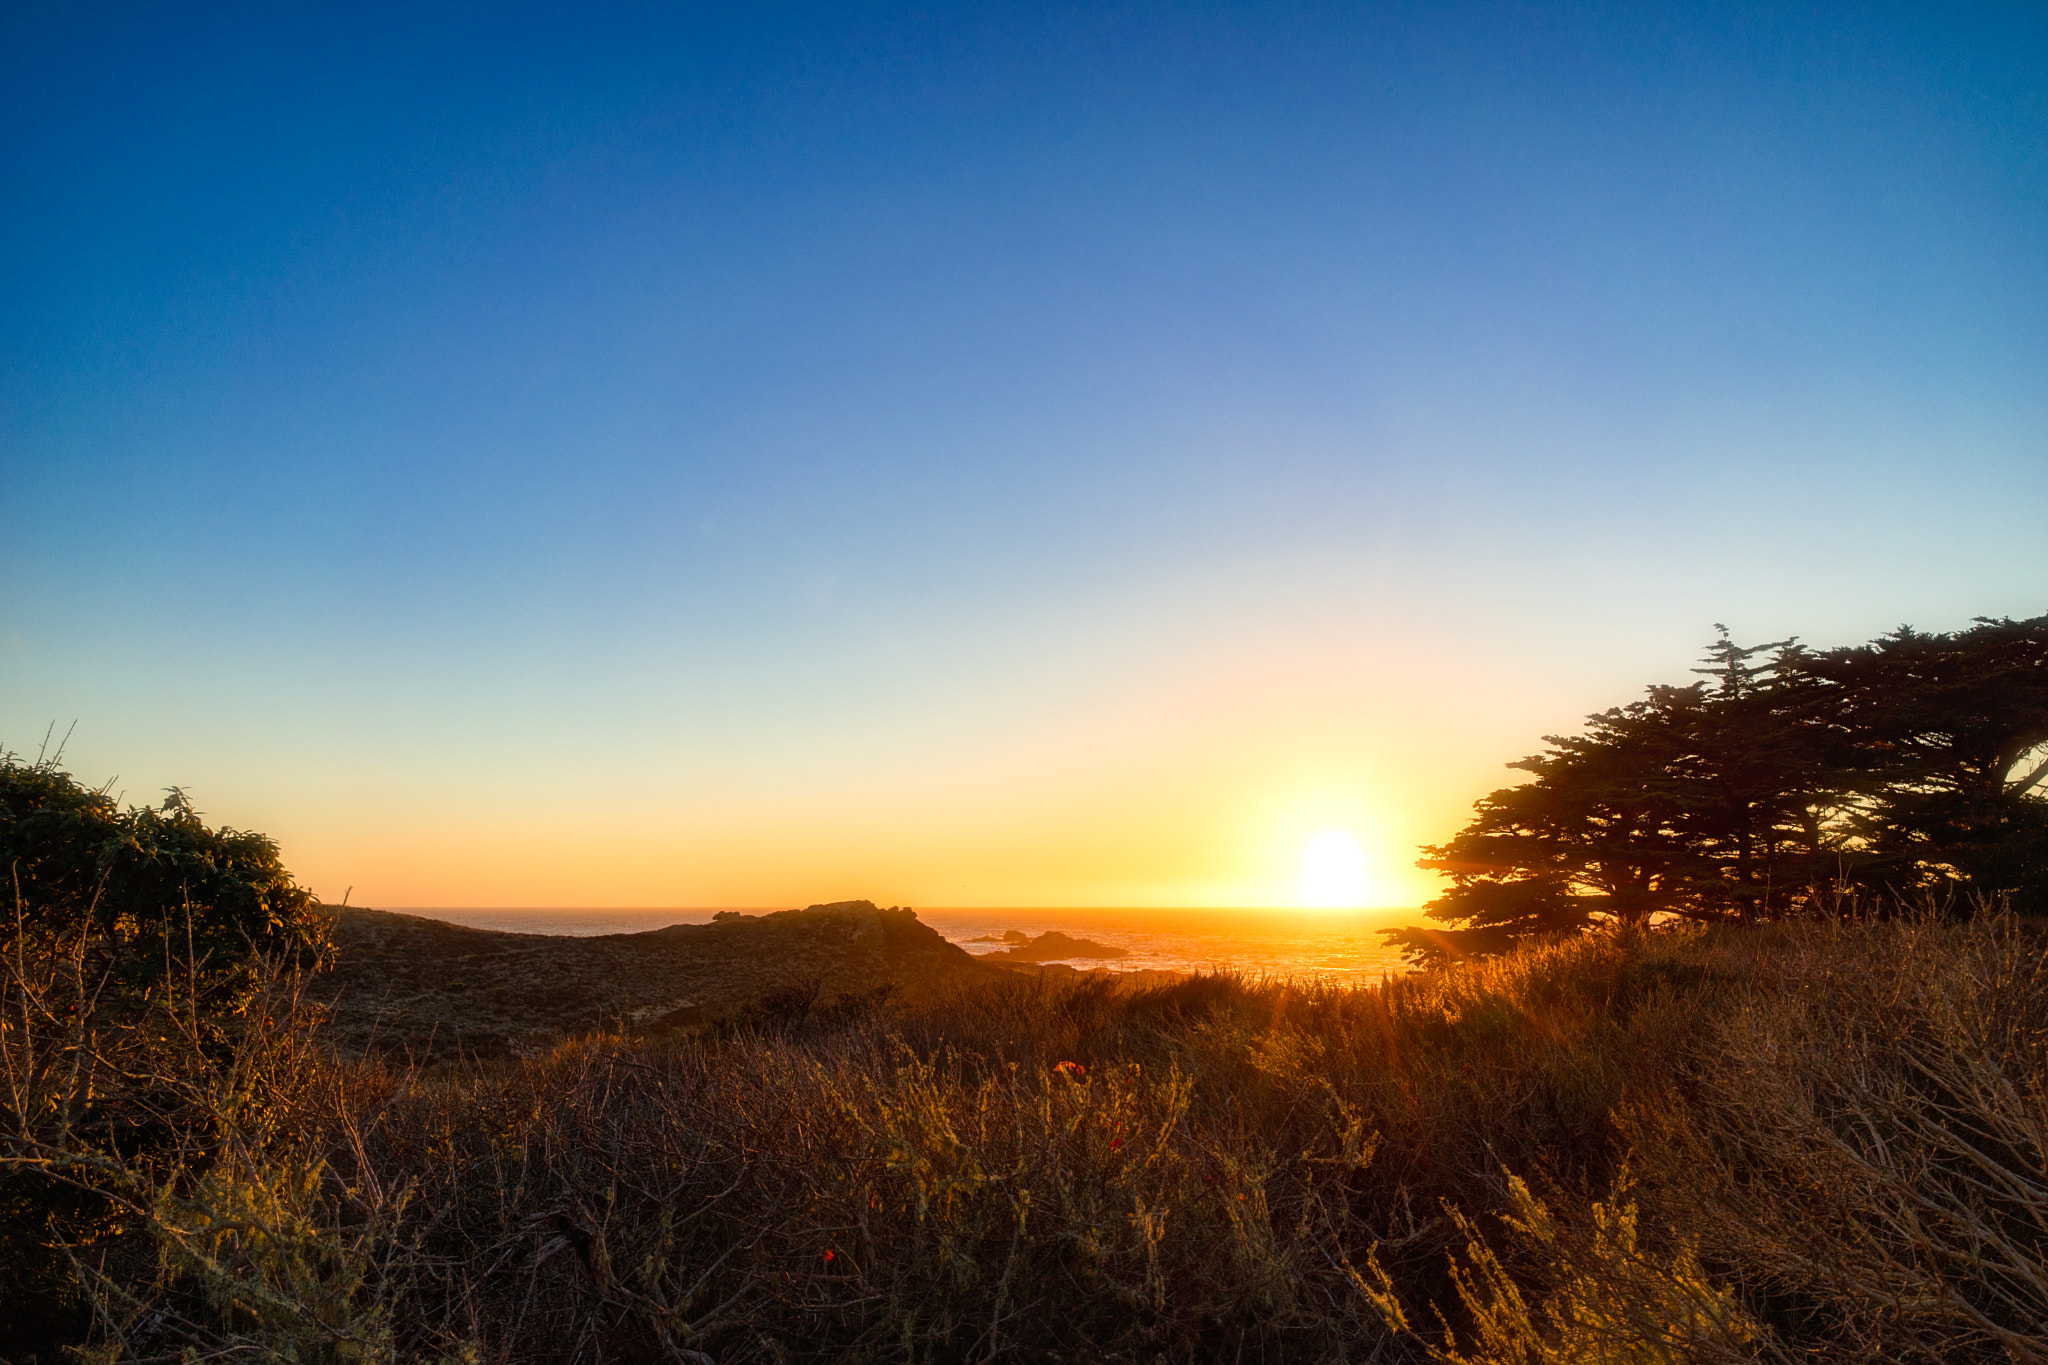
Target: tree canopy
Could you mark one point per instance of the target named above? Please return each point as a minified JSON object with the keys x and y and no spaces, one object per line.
{"x":1916,"y":764}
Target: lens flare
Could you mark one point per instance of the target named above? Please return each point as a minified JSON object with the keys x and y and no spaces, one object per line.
{"x":1333,"y":871}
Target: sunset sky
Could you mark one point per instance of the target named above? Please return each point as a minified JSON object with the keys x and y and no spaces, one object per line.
{"x":988,"y":455}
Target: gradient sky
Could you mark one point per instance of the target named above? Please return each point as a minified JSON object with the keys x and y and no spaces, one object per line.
{"x":1058,"y":455}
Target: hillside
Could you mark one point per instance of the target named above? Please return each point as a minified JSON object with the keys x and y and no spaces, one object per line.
{"x":405,"y":983}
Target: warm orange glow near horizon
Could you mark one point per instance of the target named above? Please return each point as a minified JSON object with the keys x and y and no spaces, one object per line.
{"x":1277,"y":842}
{"x":1191,"y":766}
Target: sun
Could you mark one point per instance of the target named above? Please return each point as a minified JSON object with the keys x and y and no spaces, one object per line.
{"x":1332,"y":871}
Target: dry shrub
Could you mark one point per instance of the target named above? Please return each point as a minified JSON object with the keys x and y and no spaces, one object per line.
{"x":853,"y":1196}
{"x":1861,"y":1138}
{"x":1611,"y":1298}
{"x":1214,"y":1167}
{"x":152,"y":1137}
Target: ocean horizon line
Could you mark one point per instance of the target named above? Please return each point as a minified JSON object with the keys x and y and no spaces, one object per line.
{"x":975,"y":909}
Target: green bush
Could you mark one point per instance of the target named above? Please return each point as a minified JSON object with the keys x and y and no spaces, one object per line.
{"x":142,"y":875}
{"x":135,"y":942}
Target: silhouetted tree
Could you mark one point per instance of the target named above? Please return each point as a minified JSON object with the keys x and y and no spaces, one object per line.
{"x":1913,"y":764}
{"x":1936,"y":748}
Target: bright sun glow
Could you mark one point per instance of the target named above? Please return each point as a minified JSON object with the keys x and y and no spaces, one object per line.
{"x":1332,"y":871}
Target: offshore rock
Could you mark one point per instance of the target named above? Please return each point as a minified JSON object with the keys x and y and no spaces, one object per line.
{"x":1053,"y":946}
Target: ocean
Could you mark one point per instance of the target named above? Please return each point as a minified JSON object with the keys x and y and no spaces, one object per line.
{"x":1335,"y":945}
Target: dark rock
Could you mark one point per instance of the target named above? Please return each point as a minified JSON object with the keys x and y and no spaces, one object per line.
{"x":1054,"y":946}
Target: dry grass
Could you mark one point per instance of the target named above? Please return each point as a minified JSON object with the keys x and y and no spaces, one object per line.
{"x":1863,"y":1138}
{"x":1814,"y":1140}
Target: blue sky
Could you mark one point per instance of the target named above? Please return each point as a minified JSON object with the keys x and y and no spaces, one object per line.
{"x":978,"y":455}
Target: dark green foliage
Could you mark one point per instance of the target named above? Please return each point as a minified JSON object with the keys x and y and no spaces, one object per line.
{"x":142,"y":875}
{"x":1909,"y":766}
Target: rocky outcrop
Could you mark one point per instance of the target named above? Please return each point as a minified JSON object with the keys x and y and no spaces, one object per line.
{"x":1052,"y":946}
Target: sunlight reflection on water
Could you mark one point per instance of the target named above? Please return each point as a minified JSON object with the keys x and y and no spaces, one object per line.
{"x":1337,"y":945}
